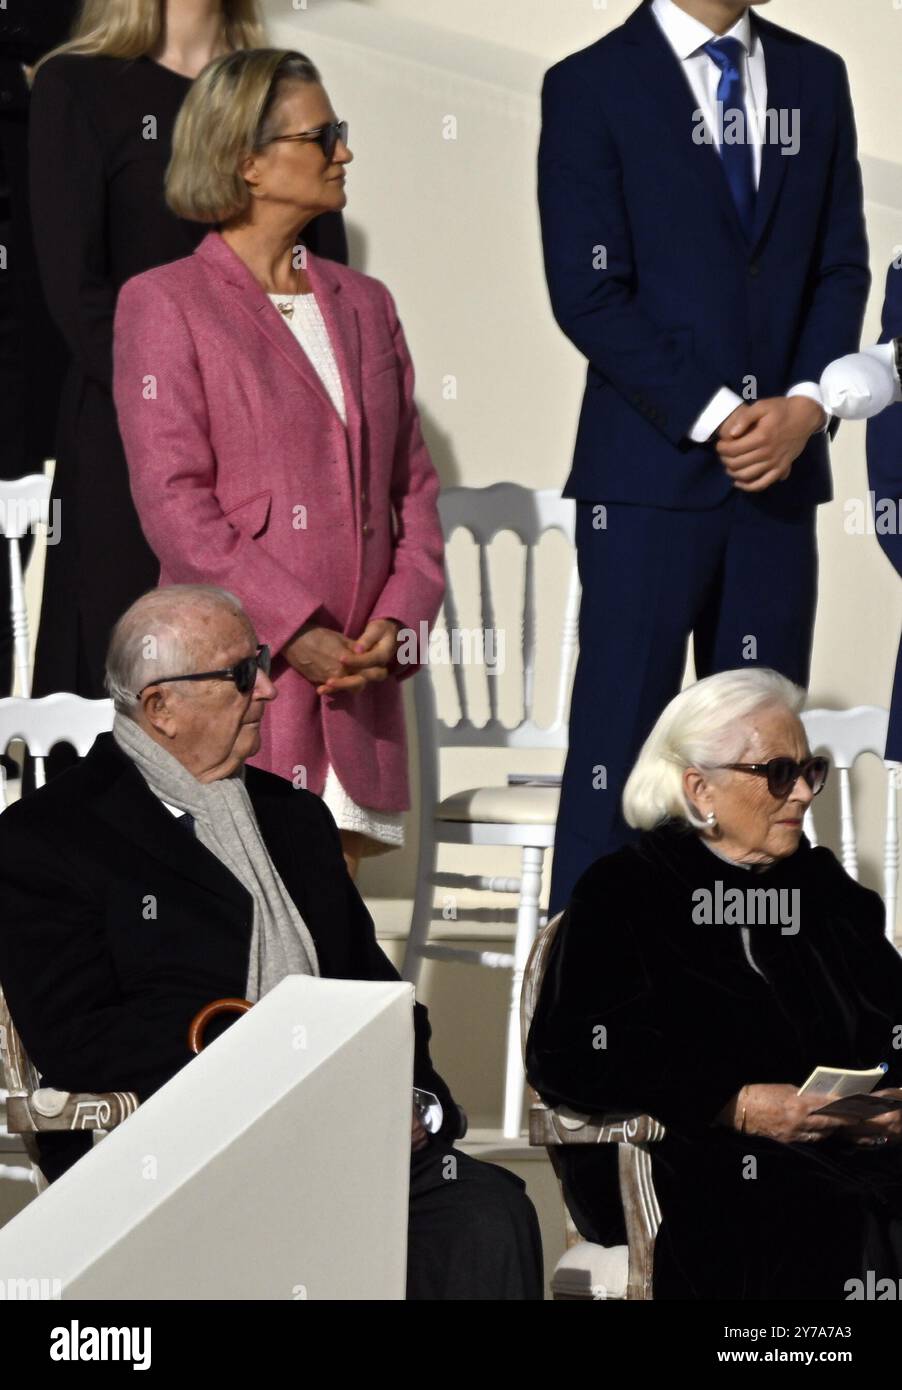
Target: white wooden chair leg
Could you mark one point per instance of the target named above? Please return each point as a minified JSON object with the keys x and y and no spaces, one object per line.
{"x":527,"y":928}
{"x":421,"y":912}
{"x":19,"y":619}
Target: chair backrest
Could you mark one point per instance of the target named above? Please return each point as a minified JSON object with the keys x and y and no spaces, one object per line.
{"x":57,"y":718}
{"x":24,"y":502}
{"x":845,"y":735}
{"x":529,"y":515}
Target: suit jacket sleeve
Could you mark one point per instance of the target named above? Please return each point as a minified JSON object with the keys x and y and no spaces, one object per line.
{"x":68,"y":210}
{"x":165,"y":428}
{"x":414,"y":589}
{"x":832,"y":325}
{"x":884,"y":434}
{"x":603,"y":1039}
{"x":79,"y":1029}
{"x":367,"y":961}
{"x":584,"y":215}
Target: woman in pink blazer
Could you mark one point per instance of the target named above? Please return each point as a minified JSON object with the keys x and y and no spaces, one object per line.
{"x":265,"y":401}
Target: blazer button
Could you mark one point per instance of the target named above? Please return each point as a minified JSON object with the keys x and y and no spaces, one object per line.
{"x":754,"y":268}
{"x":366,"y":529}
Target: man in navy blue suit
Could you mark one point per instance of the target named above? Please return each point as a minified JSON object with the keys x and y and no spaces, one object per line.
{"x":705,"y":250}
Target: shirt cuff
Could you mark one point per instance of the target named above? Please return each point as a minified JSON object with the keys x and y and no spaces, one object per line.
{"x":721,"y":404}
{"x":813,"y":392}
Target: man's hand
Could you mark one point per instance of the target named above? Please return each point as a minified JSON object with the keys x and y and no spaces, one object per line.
{"x":759,"y":443}
{"x":368,"y":658}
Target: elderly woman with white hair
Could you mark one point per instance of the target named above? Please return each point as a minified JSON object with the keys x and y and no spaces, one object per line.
{"x":676,"y":987}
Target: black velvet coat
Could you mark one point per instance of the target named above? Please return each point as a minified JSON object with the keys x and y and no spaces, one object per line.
{"x":688,"y":1021}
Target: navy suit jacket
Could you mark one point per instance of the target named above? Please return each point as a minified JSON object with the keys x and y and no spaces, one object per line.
{"x":687,"y":304}
{"x":884,"y":449}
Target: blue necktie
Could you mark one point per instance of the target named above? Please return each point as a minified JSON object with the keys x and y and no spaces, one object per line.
{"x":737,"y":158}
{"x":187,"y":823}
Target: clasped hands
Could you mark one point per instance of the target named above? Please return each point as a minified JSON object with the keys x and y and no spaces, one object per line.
{"x":333,"y":662}
{"x":779,"y":1112}
{"x":758,"y":443}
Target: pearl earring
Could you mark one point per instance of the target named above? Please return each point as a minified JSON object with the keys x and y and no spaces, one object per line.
{"x":711,"y":818}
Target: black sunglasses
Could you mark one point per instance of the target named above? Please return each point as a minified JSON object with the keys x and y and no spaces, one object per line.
{"x":783,"y":773}
{"x":243,"y":673}
{"x":327,"y":137}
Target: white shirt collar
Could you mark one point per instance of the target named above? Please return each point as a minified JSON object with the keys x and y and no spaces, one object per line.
{"x":686,"y":35}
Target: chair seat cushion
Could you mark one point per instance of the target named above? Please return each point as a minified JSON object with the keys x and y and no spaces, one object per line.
{"x":502,"y":805}
{"x":592,"y":1271}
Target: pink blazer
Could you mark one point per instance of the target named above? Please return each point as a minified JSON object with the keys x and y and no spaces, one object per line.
{"x":244,"y":475}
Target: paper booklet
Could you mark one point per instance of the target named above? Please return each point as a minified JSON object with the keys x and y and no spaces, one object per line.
{"x":851,"y":1091}
{"x":839,"y":1082}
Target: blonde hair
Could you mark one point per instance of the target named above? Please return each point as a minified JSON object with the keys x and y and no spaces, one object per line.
{"x":229,"y":113}
{"x":132,"y":28}
{"x":701,"y":728}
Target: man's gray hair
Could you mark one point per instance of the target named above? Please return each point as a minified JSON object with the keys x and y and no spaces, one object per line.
{"x":156,"y":637}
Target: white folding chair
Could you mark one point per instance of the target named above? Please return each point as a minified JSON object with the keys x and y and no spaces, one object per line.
{"x":521,"y":816}
{"x":23,"y":503}
{"x":845,"y":735}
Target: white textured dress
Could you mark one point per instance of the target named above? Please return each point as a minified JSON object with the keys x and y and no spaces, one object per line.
{"x":385,"y":829}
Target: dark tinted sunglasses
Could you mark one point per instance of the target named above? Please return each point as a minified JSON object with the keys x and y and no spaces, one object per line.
{"x":326,"y":136}
{"x":243,"y":673}
{"x":783,"y":773}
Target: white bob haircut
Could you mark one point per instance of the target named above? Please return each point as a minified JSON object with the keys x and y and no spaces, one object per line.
{"x":701,"y":727}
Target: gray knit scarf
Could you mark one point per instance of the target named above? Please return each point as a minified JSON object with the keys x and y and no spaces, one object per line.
{"x":281,"y":943}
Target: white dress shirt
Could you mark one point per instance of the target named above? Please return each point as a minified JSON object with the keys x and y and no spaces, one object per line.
{"x":686,"y":37}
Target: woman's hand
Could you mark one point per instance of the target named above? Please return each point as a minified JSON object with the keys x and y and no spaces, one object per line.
{"x":369,"y":658}
{"x":314,"y":652}
{"x":779,"y":1112}
{"x":880,"y":1129}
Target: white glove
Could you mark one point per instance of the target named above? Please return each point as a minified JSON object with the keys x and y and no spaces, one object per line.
{"x":862,"y":384}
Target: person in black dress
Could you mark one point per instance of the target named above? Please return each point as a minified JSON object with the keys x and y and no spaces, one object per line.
{"x":700,"y":976}
{"x":101,"y":130}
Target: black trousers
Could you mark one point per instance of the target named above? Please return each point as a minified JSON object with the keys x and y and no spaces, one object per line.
{"x":473,"y":1232}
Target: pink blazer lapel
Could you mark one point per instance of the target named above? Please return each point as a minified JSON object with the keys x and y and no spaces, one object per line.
{"x":339,"y":316}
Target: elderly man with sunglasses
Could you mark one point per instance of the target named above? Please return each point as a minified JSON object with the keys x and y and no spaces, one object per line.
{"x":701,"y":976}
{"x":250,"y":885}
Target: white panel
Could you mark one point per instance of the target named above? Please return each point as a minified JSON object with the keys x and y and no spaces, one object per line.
{"x":274,"y":1166}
